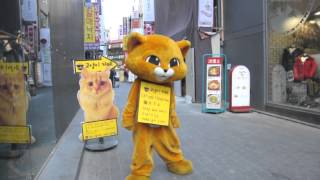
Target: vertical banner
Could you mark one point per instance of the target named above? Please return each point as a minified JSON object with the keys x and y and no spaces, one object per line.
{"x":214,"y":83}
{"x":89,"y":25}
{"x":148,"y":10}
{"x":125,"y":26}
{"x":148,"y":17}
{"x":45,"y":49}
{"x":92,"y":30}
{"x":97,"y":23}
{"x":29,"y":10}
{"x":45,"y":57}
{"x":205,"y":13}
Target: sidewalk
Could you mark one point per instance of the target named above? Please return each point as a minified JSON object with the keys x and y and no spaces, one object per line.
{"x":227,"y":146}
{"x":223,"y":146}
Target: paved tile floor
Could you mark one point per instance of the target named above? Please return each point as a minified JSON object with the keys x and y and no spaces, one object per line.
{"x":225,"y":146}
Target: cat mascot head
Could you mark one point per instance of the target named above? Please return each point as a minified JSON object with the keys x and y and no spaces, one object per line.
{"x":157,"y":58}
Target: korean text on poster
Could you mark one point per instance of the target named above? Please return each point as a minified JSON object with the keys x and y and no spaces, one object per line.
{"x":15,"y":134}
{"x":98,"y":129}
{"x":93,"y":65}
{"x":14,"y":67}
{"x":154,"y":104}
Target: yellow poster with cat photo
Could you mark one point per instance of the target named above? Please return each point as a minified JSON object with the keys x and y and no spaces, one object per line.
{"x":96,"y":99}
{"x":154,"y":104}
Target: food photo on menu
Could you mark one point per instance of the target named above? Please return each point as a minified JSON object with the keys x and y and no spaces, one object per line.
{"x":213,"y":99}
{"x":214,"y":71}
{"x":214,"y":85}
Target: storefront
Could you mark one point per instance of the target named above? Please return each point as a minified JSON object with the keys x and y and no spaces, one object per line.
{"x":279,"y":41}
{"x":32,"y":123}
{"x":293,"y":57}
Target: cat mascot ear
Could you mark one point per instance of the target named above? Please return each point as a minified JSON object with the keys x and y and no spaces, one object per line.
{"x":184,"y":46}
{"x":134,"y":40}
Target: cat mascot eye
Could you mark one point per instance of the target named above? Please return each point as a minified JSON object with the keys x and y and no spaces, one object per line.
{"x":174,"y":62}
{"x":153,"y":60}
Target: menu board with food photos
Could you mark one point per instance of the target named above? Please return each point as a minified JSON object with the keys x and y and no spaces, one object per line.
{"x":214,"y":83}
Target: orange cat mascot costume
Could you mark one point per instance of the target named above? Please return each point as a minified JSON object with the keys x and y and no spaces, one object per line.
{"x":160,"y":60}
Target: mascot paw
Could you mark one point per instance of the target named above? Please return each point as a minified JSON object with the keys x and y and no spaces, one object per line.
{"x":135,"y":177}
{"x":181,"y":167}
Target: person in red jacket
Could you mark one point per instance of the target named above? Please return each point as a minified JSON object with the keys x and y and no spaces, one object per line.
{"x":305,"y":67}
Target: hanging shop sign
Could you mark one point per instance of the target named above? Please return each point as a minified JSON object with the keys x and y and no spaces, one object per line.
{"x":15,"y":134}
{"x":239,"y":89}
{"x":32,"y":38}
{"x":45,"y":46}
{"x":98,"y":129}
{"x":148,"y":10}
{"x":135,"y":23}
{"x":214,"y":83}
{"x":125,"y":42}
{"x":125,"y":26}
{"x":29,"y":10}
{"x":14,"y":67}
{"x":93,"y":65}
{"x":205,"y":15}
{"x":89,"y":25}
{"x":154,"y":104}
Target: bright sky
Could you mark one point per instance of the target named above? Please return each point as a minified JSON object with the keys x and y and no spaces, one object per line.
{"x":113,"y":12}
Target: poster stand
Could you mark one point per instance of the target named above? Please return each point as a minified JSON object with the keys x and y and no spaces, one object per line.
{"x":97,"y":142}
{"x":11,"y":150}
{"x":214,"y":83}
{"x":101,"y":144}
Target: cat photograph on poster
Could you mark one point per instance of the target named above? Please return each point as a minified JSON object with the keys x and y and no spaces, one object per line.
{"x":14,"y":100}
{"x":96,"y":96}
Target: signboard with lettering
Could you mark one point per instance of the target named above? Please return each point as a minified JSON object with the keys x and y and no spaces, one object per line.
{"x":14,"y":67}
{"x":240,"y":89}
{"x":89,"y":24}
{"x":93,"y":65}
{"x":98,"y":129}
{"x":154,"y":104}
{"x":15,"y":134}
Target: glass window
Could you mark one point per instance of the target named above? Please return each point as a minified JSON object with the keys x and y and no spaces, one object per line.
{"x":293,"y":41}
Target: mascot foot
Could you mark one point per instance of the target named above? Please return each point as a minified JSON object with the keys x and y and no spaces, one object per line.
{"x":181,"y":167}
{"x":135,"y":177}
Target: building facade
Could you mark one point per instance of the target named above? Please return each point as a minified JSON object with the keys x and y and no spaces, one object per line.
{"x":280,"y":46}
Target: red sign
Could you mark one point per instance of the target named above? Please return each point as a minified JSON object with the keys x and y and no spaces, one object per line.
{"x":135,"y":23}
{"x":214,"y":60}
